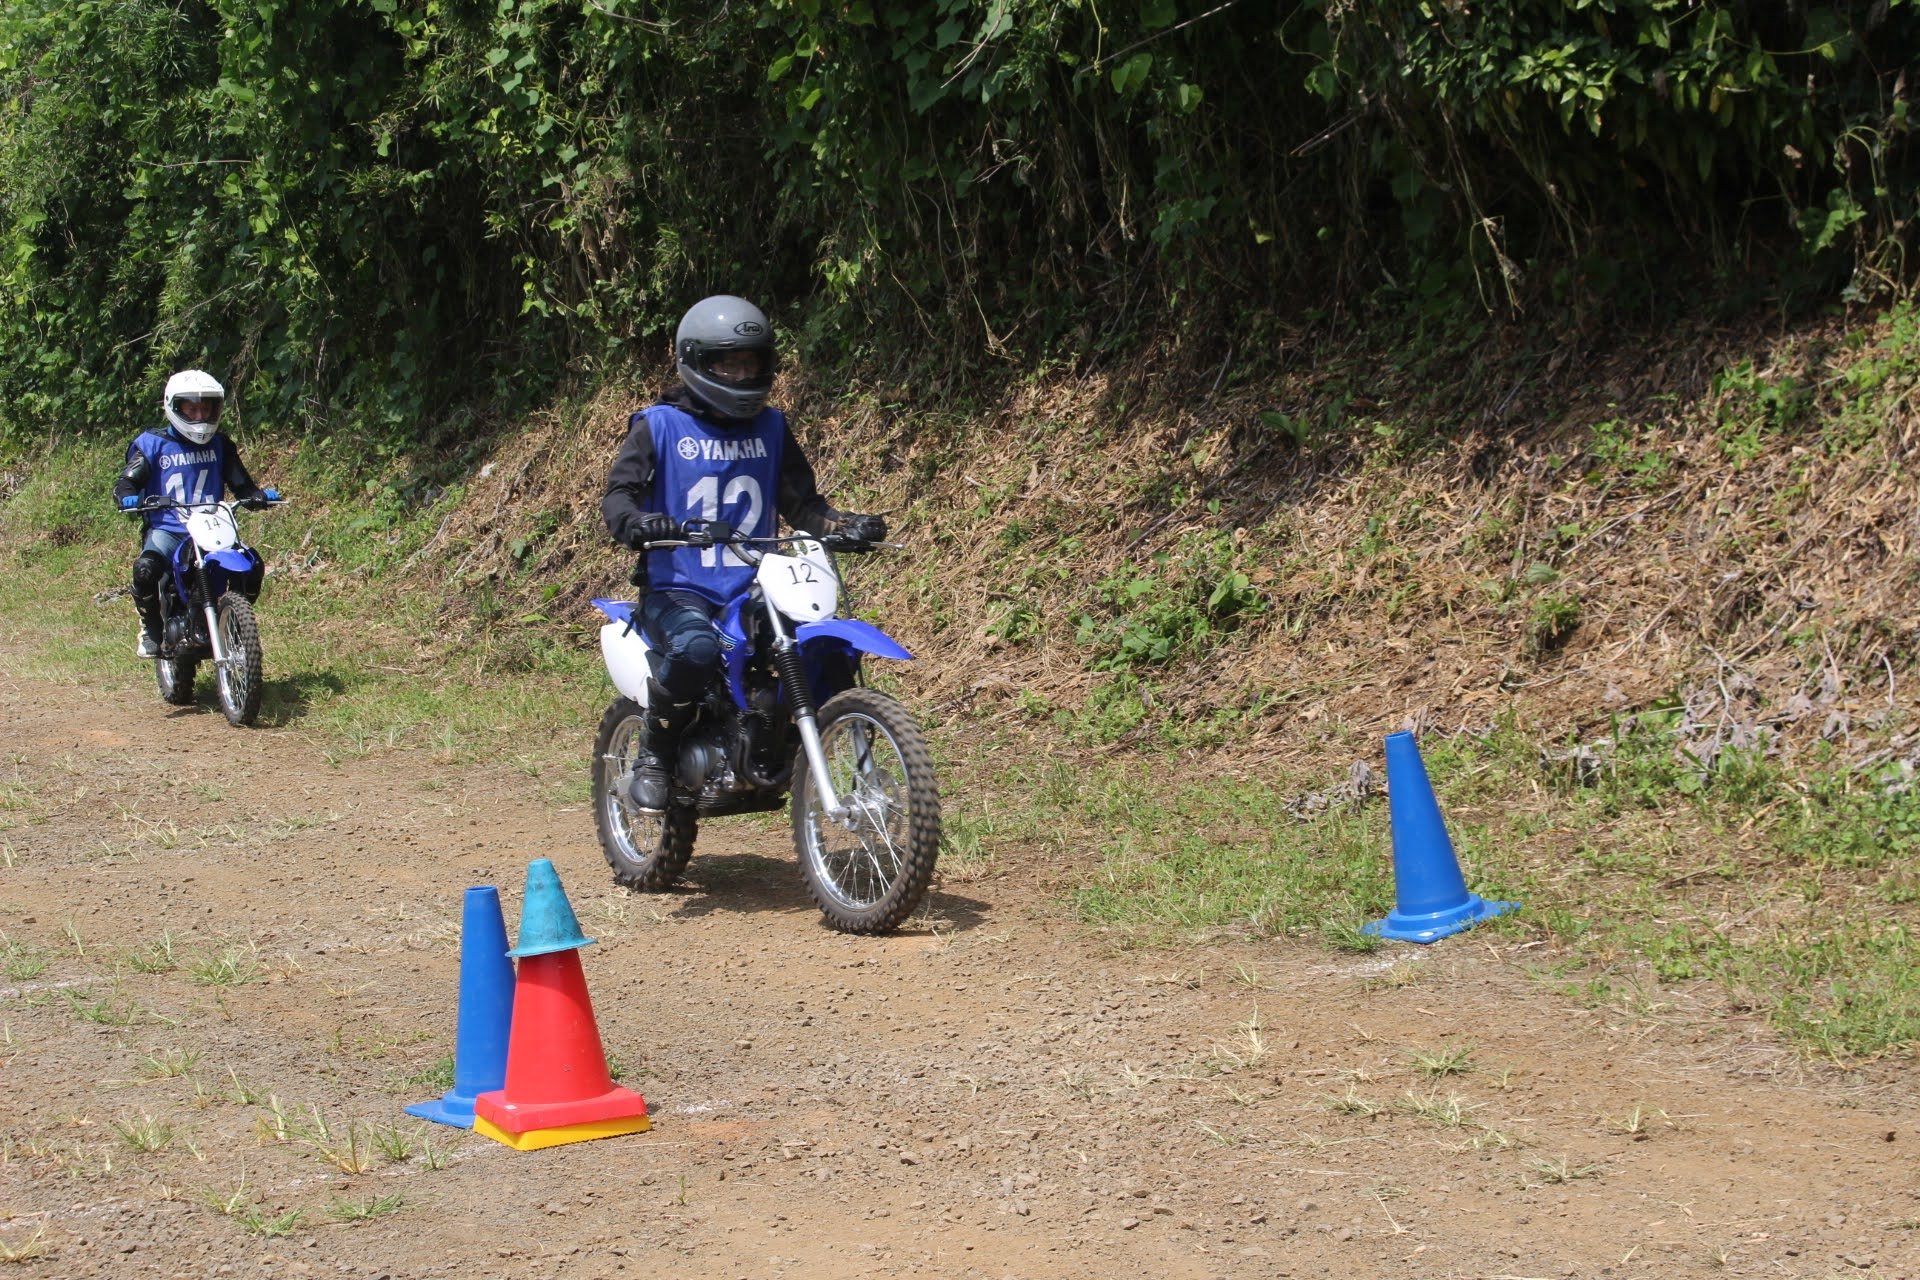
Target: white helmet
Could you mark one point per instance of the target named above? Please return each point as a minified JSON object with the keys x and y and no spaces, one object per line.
{"x":192,"y":384}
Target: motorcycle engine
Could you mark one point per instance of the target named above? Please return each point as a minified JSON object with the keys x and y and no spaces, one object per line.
{"x":179,"y":632}
{"x":703,"y":758}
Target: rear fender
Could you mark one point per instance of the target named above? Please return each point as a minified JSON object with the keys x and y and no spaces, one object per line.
{"x":624,"y":649}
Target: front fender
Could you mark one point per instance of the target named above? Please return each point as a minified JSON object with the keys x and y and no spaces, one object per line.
{"x":234,"y":559}
{"x":863,"y":636}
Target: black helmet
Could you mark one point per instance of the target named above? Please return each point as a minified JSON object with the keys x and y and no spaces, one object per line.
{"x":724,"y":350}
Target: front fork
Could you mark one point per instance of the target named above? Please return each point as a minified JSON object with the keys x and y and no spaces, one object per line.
{"x":214,"y":640}
{"x":786,"y":657}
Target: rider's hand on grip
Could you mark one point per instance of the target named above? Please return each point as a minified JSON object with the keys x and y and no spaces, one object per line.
{"x":655,"y":527}
{"x":864,"y":528}
{"x":258,"y":502}
{"x":130,"y":503}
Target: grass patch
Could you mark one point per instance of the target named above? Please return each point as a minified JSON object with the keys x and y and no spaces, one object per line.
{"x":1792,"y":890}
{"x":231,"y":966}
{"x":366,"y":1208}
{"x":1175,"y":862}
{"x":21,"y":963}
{"x":144,"y":1134}
{"x":255,"y":1219}
{"x":27,"y":1250}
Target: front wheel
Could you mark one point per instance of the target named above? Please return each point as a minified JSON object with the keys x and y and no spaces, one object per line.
{"x":646,"y":850}
{"x":238,"y":678}
{"x":869,"y":867}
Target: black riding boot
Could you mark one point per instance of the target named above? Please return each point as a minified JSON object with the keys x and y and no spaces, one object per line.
{"x":666,"y":723}
{"x":149,"y":570}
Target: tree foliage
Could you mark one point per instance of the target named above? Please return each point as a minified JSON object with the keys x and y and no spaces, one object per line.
{"x":370,"y":210}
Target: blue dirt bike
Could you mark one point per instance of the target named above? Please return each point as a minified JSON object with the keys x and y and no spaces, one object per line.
{"x":201,"y":619}
{"x":788,"y":716}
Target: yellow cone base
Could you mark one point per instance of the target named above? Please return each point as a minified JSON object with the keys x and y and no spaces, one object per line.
{"x":535,"y":1139}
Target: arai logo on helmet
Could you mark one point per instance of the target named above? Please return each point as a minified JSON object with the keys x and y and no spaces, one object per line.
{"x":749,"y":328}
{"x":689,"y":448}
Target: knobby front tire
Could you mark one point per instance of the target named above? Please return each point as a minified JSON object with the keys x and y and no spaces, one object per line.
{"x":868,"y":871}
{"x":239,"y":678}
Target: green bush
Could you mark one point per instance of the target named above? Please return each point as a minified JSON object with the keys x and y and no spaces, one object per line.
{"x":366,"y":211}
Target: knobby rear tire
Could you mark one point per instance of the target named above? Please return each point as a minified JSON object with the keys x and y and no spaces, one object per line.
{"x":647,"y":851}
{"x":175,"y":678}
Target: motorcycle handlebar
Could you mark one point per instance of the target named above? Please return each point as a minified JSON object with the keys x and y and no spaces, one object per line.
{"x":832,"y":542}
{"x":157,"y":502}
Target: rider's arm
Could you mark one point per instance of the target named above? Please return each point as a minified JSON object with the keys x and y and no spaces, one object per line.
{"x":630,"y":485}
{"x":800,"y":502}
{"x":133,"y":477}
{"x":235,"y":473}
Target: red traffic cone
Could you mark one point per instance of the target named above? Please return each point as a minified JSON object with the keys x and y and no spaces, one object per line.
{"x":557,"y":1089}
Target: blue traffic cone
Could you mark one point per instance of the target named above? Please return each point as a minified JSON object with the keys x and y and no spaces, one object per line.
{"x":547,"y":923}
{"x":486,"y":1012}
{"x":1431,"y":897}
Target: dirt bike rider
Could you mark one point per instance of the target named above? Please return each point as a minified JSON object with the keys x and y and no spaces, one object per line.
{"x":189,"y":460}
{"x":710,"y":449}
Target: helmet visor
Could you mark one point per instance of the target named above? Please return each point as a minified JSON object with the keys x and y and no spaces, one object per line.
{"x":199,"y":408}
{"x":739,"y":366}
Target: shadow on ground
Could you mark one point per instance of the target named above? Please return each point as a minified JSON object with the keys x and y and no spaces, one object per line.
{"x":747,"y":883}
{"x":287,"y":698}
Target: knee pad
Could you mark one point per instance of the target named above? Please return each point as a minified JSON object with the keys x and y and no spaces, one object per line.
{"x":697,"y":649}
{"x":149,"y":571}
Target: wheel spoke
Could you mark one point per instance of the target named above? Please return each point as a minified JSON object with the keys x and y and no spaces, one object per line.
{"x":861,"y":861}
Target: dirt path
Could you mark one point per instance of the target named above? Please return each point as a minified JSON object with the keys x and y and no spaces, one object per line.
{"x":998,"y":1095}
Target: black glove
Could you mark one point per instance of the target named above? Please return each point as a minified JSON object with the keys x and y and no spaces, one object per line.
{"x":654,"y":527}
{"x":255,"y":502}
{"x":863,"y":528}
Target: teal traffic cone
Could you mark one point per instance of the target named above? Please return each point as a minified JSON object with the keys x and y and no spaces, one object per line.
{"x":485,"y":1016}
{"x":1431,"y":896}
{"x":547,"y":922}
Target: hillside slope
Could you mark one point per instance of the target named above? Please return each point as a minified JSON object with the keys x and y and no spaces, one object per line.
{"x":1726,"y":523}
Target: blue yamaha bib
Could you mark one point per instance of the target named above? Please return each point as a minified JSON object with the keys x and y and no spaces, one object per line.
{"x":181,"y":470}
{"x":702,"y":472}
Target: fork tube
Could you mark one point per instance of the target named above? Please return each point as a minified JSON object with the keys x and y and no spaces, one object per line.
{"x":786,"y":657}
{"x":213,"y":617}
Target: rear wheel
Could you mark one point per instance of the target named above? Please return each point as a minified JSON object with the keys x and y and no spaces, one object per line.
{"x":239,"y":677}
{"x":173,"y":675}
{"x":646,"y":850}
{"x":868,"y":868}
{"x":175,"y":678}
